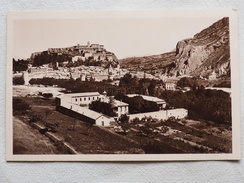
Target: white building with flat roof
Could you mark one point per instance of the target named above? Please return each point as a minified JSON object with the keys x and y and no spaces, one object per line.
{"x":83,"y":99}
{"x":179,"y":113}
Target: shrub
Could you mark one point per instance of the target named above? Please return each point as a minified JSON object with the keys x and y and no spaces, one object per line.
{"x":18,"y":81}
{"x":20,"y":105}
{"x":35,"y":117}
{"x":47,"y":95}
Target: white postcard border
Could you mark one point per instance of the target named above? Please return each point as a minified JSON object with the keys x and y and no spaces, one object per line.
{"x":235,"y":82}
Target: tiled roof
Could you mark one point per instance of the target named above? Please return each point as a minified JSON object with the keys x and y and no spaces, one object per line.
{"x":87,"y":94}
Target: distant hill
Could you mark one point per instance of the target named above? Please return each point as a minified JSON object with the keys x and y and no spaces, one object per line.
{"x":206,"y":54}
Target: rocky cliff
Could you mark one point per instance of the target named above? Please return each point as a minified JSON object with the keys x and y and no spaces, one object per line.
{"x":206,"y":54}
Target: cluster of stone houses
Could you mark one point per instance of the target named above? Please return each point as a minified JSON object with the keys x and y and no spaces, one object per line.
{"x":76,"y":105}
{"x":97,"y":73}
{"x":84,"y":52}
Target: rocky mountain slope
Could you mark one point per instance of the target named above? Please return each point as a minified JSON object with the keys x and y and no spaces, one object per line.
{"x":206,"y":54}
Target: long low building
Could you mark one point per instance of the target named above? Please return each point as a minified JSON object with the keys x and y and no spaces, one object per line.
{"x":82,"y":113}
{"x":76,"y":105}
{"x":163,"y":114}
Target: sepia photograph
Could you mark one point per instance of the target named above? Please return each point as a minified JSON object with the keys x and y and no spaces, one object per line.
{"x":122,"y":86}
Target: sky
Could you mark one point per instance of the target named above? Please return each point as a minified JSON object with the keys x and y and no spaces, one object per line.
{"x":124,"y":37}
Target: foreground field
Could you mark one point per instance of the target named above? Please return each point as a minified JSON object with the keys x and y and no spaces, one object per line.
{"x":85,"y":138}
{"x":180,"y":136}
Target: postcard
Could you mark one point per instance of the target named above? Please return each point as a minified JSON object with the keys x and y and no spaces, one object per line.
{"x":157,"y":85}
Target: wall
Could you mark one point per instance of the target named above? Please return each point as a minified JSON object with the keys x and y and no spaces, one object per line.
{"x":75,"y":114}
{"x":163,"y":114}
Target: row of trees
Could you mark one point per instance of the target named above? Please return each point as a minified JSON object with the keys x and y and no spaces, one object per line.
{"x":208,"y":104}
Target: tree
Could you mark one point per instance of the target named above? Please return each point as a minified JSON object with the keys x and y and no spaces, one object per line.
{"x":146,"y":129}
{"x":152,"y":89}
{"x":102,"y":107}
{"x":20,"y":105}
{"x":186,"y":82}
{"x":124,"y":122}
{"x":18,"y":81}
{"x":48,"y":112}
{"x":125,"y":80}
{"x":47,"y":95}
{"x":20,"y":65}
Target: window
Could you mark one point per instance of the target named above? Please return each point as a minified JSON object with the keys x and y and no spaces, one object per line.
{"x":80,"y":99}
{"x":85,"y":99}
{"x":76,"y":99}
{"x":102,"y":123}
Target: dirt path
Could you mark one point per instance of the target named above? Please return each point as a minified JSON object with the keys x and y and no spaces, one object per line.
{"x":27,"y":140}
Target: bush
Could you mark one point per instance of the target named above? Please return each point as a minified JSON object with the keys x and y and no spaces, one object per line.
{"x":18,"y":81}
{"x":20,"y":105}
{"x":35,"y":117}
{"x":47,"y":95}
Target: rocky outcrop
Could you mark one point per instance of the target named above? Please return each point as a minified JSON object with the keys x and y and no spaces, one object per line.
{"x":205,"y":53}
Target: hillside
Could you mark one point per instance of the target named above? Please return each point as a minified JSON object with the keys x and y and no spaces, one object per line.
{"x":207,"y":54}
{"x":162,"y":62}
